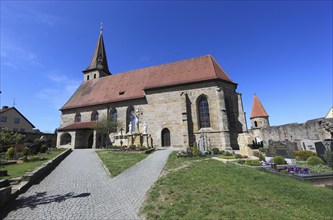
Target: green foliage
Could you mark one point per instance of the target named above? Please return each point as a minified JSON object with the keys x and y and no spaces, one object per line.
{"x":26,"y":151}
{"x":196,"y":152}
{"x":238,"y":156}
{"x":303,"y":155}
{"x":257,"y":154}
{"x":262,"y":158}
{"x":227,"y":157}
{"x":36,"y":158}
{"x":227,"y":153}
{"x":314,"y":160}
{"x":215,"y":150}
{"x":278,"y":160}
{"x":132,"y":147}
{"x":320,"y":169}
{"x":253,"y":163}
{"x":261,"y":149}
{"x":44,"y":148}
{"x":241,"y":161}
{"x":10,"y":153}
{"x":328,"y":157}
{"x":8,"y":138}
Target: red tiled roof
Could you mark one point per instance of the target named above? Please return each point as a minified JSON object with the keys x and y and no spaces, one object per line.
{"x":79,"y":126}
{"x":131,"y":85}
{"x":258,"y":109}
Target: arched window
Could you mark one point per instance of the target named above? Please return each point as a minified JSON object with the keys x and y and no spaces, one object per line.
{"x":114,"y":116}
{"x":65,"y":138}
{"x":130,"y":118}
{"x":203,"y":112}
{"x":94,"y":116}
{"x":88,"y":77}
{"x":255,"y":124}
{"x":77,"y":117}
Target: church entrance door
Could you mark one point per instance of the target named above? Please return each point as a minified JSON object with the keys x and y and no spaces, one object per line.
{"x":90,"y":140}
{"x":166,"y":137}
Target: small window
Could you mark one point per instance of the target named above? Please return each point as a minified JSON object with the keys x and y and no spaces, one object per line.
{"x":22,"y":130}
{"x":16,"y":121}
{"x":121,"y":93}
{"x":3,"y":118}
{"x":255,"y":124}
{"x":88,"y":77}
{"x":95,"y":76}
{"x":77,"y":117}
{"x":94,"y":116}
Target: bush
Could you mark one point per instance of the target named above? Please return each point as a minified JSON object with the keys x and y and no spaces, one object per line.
{"x":227,"y":153}
{"x":278,"y":160}
{"x":238,"y":156}
{"x":196,"y":152}
{"x":262,"y":158}
{"x":10,"y":153}
{"x":328,"y":157}
{"x":132,"y":147}
{"x":253,"y":163}
{"x":26,"y":151}
{"x":43,"y":149}
{"x":216,"y":150}
{"x":241,"y":161}
{"x":261,"y":149}
{"x":320,"y":169}
{"x":314,"y":160}
{"x":257,"y":154}
{"x":303,"y":155}
{"x":36,"y":158}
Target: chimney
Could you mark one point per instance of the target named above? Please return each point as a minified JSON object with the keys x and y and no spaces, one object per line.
{"x":4,"y":107}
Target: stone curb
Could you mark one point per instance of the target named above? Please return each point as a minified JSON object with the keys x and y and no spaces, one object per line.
{"x":30,"y":178}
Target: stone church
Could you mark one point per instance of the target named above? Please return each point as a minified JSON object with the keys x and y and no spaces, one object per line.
{"x":173,"y":104}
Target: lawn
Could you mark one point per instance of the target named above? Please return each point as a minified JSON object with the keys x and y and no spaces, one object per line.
{"x":117,"y":162}
{"x":16,"y":170}
{"x":208,"y":189}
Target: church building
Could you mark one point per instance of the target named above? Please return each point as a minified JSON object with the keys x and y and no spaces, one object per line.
{"x":174,"y":104}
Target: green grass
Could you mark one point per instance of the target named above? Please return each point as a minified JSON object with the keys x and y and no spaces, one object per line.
{"x":209,"y":189}
{"x":16,"y":170}
{"x":117,"y":162}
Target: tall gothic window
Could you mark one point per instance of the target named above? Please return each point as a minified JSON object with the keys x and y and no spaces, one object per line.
{"x":130,"y":118}
{"x":203,"y":112}
{"x":94,"y":116}
{"x":77,"y":117}
{"x":114,"y":119}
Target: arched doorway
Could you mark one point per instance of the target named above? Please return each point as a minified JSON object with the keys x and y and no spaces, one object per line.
{"x":166,"y":138}
{"x":65,"y":139}
{"x":90,"y":140}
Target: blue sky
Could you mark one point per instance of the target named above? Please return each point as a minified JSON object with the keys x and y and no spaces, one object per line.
{"x":280,"y":50}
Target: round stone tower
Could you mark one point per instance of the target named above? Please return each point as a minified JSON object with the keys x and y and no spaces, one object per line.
{"x":259,"y":116}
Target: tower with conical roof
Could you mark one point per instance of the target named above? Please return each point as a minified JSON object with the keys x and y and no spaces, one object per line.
{"x":259,"y":116}
{"x":98,"y":66}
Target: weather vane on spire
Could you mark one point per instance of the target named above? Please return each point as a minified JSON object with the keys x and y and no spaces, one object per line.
{"x":101,"y":28}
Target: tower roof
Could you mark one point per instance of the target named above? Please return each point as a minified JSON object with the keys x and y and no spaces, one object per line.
{"x":257,"y":109}
{"x":99,"y":61}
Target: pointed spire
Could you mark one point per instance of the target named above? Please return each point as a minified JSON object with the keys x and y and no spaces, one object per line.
{"x":258,"y":109}
{"x":98,"y":60}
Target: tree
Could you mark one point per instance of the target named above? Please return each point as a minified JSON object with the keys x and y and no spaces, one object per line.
{"x":5,"y":138}
{"x":106,"y":126}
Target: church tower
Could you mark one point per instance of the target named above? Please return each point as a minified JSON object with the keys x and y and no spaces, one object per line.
{"x":98,"y":65}
{"x":259,"y":116}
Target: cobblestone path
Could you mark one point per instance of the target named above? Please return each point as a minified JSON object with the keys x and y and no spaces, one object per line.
{"x":80,"y":188}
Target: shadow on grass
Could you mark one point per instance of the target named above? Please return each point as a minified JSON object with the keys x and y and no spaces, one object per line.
{"x":39,"y":198}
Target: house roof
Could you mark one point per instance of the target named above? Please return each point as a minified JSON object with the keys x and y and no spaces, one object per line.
{"x":258,"y":109}
{"x":79,"y":126}
{"x":13,"y":108}
{"x":131,"y":85}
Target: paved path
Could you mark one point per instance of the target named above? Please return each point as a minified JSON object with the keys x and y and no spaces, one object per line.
{"x":80,"y":188}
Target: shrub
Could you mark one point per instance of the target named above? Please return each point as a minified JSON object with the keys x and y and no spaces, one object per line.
{"x":10,"y":153}
{"x":278,"y":160}
{"x":238,"y":156}
{"x":227,"y":153}
{"x":26,"y":151}
{"x":253,"y":163}
{"x":215,"y":150}
{"x":241,"y":161}
{"x":43,"y":149}
{"x":36,"y":158}
{"x":227,"y":157}
{"x":196,"y":152}
{"x":303,"y":155}
{"x":320,"y":169}
{"x":328,"y":157}
{"x":261,"y":149}
{"x":132,"y":147}
{"x":314,"y":160}
{"x":262,"y":158}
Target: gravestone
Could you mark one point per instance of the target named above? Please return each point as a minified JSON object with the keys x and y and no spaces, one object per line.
{"x":321,"y":147}
{"x":285,"y":150}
